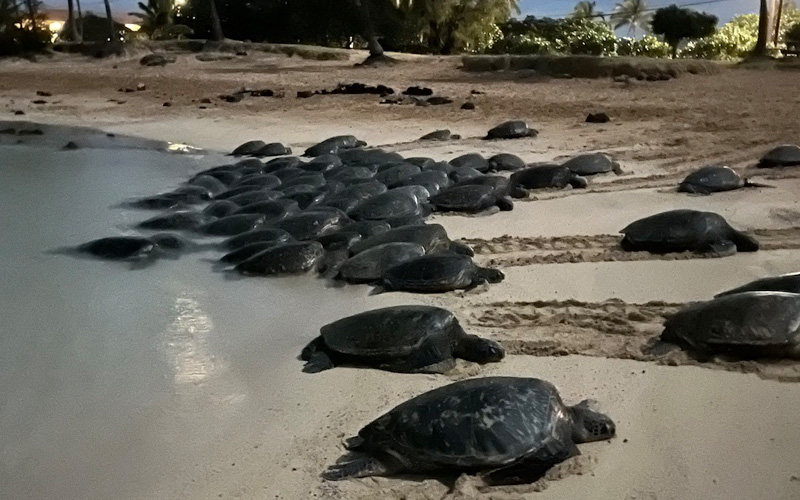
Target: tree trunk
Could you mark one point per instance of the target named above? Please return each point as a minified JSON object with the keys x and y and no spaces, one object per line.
{"x":375,"y":49}
{"x":31,"y":5}
{"x":216,"y":25}
{"x":763,"y":30}
{"x":73,"y":26}
{"x":674,"y":50}
{"x":112,"y":33}
{"x":80,"y":20}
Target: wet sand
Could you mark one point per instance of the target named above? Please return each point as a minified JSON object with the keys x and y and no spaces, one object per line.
{"x":176,"y":383}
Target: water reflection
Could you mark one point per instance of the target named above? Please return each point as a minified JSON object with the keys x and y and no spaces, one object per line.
{"x":187,"y":348}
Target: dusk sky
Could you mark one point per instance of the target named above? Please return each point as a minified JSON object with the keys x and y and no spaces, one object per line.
{"x":540,"y":8}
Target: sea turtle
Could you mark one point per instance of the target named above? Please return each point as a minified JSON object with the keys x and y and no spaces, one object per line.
{"x":248,"y":148}
{"x":506,"y":162}
{"x":369,"y":265}
{"x":255,"y":196}
{"x":440,"y":135}
{"x":368,"y":157}
{"x":592,"y":164}
{"x":261,"y":181}
{"x":437,"y":273}
{"x":547,"y":176}
{"x":226,"y":174}
{"x":211,"y":184}
{"x":349,"y":174}
{"x":502,"y":185}
{"x":270,"y":234}
{"x":397,"y":174}
{"x":747,"y":324}
{"x":194,"y":191}
{"x":440,"y":166}
{"x":789,"y":283}
{"x":712,"y":179}
{"x":514,"y":129}
{"x":686,"y":230}
{"x":420,"y":161}
{"x":432,"y":237}
{"x":273,"y":149}
{"x":165,"y":201}
{"x":311,"y":225}
{"x":432,"y":180}
{"x":232,"y":225}
{"x":333,"y":145}
{"x":460,"y":174}
{"x":339,"y":240}
{"x":783,"y":156}
{"x":119,"y":247}
{"x":511,"y":430}
{"x":470,"y":199}
{"x":243,"y":253}
{"x":287,"y":258}
{"x":386,"y":206}
{"x":472,"y":160}
{"x":220,"y":208}
{"x":176,"y":220}
{"x":415,"y":191}
{"x":410,"y":339}
{"x":274,"y":210}
{"x":314,"y":179}
{"x":349,"y":198}
{"x":283,"y":163}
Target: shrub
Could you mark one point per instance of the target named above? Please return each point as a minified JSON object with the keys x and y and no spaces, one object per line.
{"x":647,"y":46}
{"x":565,"y":36}
{"x":734,"y":40}
{"x":793,"y":33}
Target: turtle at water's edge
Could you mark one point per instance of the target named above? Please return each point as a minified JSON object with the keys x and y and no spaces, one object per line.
{"x":510,"y":430}
{"x":436,"y":274}
{"x":409,"y":339}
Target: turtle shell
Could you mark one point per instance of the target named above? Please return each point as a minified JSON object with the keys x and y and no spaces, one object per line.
{"x":391,"y":331}
{"x":261,"y":181}
{"x":397,"y":175}
{"x":234,"y":224}
{"x":248,"y":148}
{"x":332,"y":145}
{"x":513,"y":129}
{"x":369,"y":265}
{"x":119,"y":247}
{"x":784,"y":283}
{"x":213,"y":185}
{"x":310,"y":225}
{"x":465,"y":198}
{"x":175,"y":220}
{"x":590,"y":164}
{"x":479,"y":423}
{"x":710,"y":179}
{"x":220,"y":208}
{"x":430,"y":236}
{"x":748,"y":324}
{"x":472,"y":160}
{"x":677,"y":230}
{"x":542,"y":176}
{"x":387,"y":205}
{"x":506,"y":161}
{"x":783,"y":156}
{"x":289,"y":258}
{"x":268,"y":234}
{"x":432,"y":273}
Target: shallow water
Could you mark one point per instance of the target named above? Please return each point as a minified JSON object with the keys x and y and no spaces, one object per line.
{"x":114,"y":381}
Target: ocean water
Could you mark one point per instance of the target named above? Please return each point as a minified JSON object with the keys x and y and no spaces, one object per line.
{"x":114,"y":381}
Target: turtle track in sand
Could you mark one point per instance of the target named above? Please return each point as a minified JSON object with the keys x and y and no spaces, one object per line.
{"x":510,"y":251}
{"x":611,"y":329}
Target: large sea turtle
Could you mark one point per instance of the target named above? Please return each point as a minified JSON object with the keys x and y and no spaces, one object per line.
{"x":746,"y":324}
{"x":432,"y":237}
{"x":787,"y":155}
{"x":470,"y":199}
{"x":513,"y":129}
{"x":232,"y":225}
{"x":333,"y":145}
{"x":712,"y":179}
{"x":471,"y":160}
{"x":288,"y":258}
{"x":369,"y":265}
{"x":220,"y":208}
{"x":783,"y":283}
{"x":547,"y":176}
{"x":273,"y":235}
{"x":119,"y":248}
{"x":388,"y":205}
{"x":592,"y":164}
{"x":437,"y":273}
{"x":176,"y":220}
{"x":686,"y":230}
{"x":511,"y":430}
{"x":411,"y":339}
{"x":506,"y":162}
{"x":310,"y":225}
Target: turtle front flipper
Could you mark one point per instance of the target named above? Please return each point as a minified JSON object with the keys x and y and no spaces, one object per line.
{"x":360,"y":467}
{"x":532,"y":467}
{"x":505,"y":203}
{"x":316,"y":357}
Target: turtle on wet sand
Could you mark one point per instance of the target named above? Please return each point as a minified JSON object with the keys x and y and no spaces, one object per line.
{"x":369,"y":265}
{"x":514,"y":129}
{"x":547,"y":176}
{"x":686,"y":230}
{"x":437,"y":273}
{"x":410,"y":339}
{"x":783,"y":283}
{"x":288,"y":258}
{"x":592,"y":164}
{"x":747,"y":325}
{"x":470,"y":198}
{"x":432,"y":237}
{"x":510,"y":430}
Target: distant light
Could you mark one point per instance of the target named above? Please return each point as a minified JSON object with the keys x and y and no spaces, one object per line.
{"x":180,"y":3}
{"x":55,"y":26}
{"x":133,"y":27}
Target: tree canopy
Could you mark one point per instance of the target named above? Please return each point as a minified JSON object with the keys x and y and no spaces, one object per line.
{"x":676,"y":24}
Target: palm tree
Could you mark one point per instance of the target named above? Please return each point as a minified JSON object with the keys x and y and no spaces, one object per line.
{"x":80,"y":20}
{"x":156,"y":14}
{"x":376,"y":55}
{"x":633,"y":14}
{"x":764,"y":28}
{"x":586,"y":10}
{"x":216,"y":25}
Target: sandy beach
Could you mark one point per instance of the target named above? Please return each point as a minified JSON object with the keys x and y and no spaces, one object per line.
{"x":573,"y":309}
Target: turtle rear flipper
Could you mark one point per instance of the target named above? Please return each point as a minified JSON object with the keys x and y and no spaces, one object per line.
{"x":319,"y":362}
{"x":360,"y":467}
{"x":532,"y":467}
{"x":578,"y":182}
{"x":505,"y":203}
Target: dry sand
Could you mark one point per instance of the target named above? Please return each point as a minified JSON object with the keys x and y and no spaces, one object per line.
{"x":573,"y":309}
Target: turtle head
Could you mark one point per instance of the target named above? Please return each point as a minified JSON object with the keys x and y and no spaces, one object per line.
{"x":491,"y":275}
{"x":479,"y":350}
{"x":589,"y":424}
{"x":744,"y":242}
{"x":461,"y":248}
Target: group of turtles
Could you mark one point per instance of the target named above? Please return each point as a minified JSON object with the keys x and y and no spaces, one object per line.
{"x":358,"y":215}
